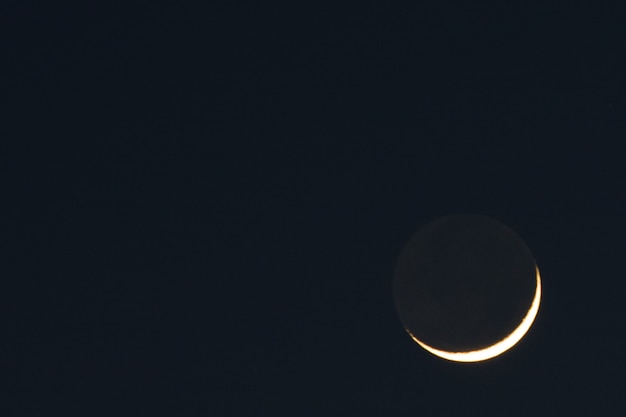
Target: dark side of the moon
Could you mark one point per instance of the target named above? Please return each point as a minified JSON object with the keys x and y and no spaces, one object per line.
{"x":463,"y":283}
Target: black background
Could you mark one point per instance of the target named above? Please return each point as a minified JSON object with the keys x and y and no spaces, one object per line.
{"x":204,"y":203}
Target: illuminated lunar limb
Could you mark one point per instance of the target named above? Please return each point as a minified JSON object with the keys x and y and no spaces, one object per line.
{"x":497,"y":348}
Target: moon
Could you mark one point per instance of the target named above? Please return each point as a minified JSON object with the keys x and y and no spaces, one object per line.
{"x":466,"y":288}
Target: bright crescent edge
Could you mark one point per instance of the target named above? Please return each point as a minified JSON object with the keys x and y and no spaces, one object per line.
{"x":497,"y":348}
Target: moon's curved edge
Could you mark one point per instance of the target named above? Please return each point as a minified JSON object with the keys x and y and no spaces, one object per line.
{"x":498,"y":348}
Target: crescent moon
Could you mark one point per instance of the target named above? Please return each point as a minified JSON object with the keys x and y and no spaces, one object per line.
{"x":497,"y":348}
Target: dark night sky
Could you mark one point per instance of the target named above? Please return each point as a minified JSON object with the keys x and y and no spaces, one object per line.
{"x":204,"y":204}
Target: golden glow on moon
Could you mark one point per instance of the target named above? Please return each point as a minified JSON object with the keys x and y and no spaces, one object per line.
{"x":497,"y":348}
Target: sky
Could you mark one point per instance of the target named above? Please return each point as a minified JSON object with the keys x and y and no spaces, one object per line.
{"x":205,"y":203}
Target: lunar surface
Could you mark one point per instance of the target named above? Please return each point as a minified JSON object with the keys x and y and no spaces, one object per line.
{"x":466,"y":288}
